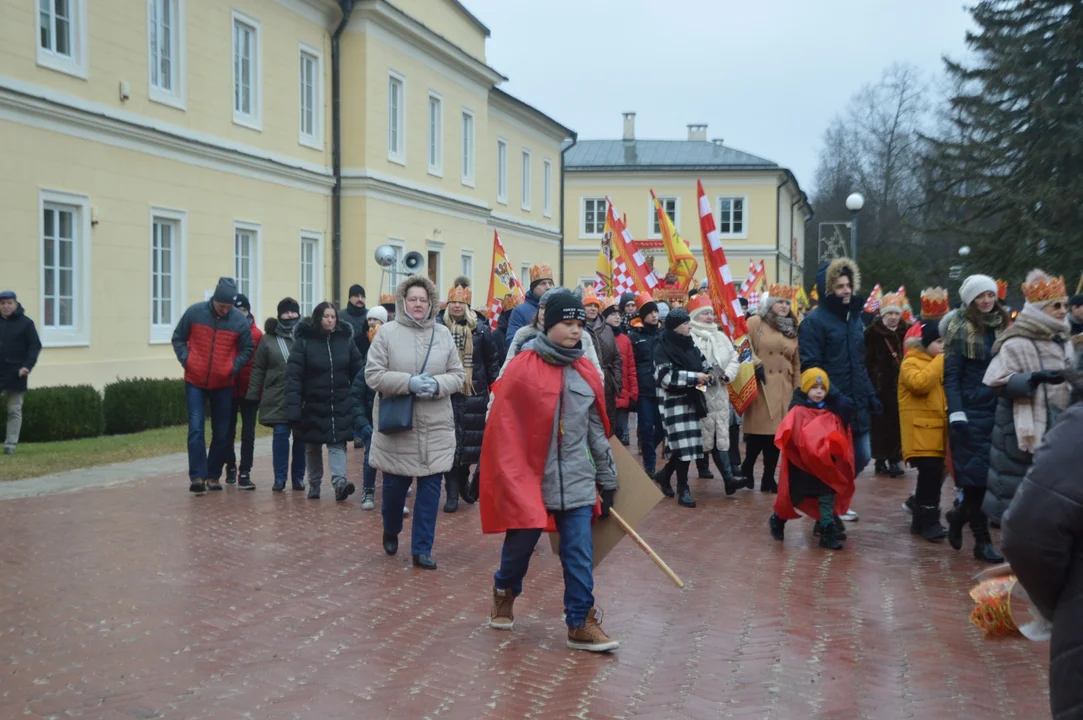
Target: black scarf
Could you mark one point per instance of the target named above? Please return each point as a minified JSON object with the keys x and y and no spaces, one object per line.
{"x":680,"y":352}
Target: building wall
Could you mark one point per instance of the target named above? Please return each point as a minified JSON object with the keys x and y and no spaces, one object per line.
{"x":449,"y":21}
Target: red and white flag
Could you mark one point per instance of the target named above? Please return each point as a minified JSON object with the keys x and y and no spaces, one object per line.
{"x":872,"y":305}
{"x":755,"y":282}
{"x":630,"y":271}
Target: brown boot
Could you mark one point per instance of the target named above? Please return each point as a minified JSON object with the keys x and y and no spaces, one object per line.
{"x":591,"y":636}
{"x":501,"y":616}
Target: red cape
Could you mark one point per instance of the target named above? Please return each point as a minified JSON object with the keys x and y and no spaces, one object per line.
{"x":516,"y":442}
{"x":817,"y":442}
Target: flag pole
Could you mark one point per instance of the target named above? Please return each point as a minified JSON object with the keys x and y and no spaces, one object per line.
{"x":646,"y":548}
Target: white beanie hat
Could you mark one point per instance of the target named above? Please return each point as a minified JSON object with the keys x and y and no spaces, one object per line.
{"x":377,"y":313}
{"x":974,"y":286}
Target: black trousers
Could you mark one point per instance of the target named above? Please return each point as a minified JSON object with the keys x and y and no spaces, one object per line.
{"x":735,"y":447}
{"x":973,"y":514}
{"x":930,"y":480}
{"x":248,"y":410}
{"x":754,"y":445}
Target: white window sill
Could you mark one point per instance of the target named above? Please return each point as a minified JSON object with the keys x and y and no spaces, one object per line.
{"x":397,"y":159}
{"x":165,"y":98}
{"x":502,"y":201}
{"x":524,"y":208}
{"x":311,"y":142}
{"x":547,"y":213}
{"x":61,"y":339}
{"x":599,"y":236}
{"x":733,"y":236}
{"x":61,"y":64}
{"x":436,"y":172}
{"x":161,"y":335}
{"x":468,"y":182}
{"x":252,"y":123}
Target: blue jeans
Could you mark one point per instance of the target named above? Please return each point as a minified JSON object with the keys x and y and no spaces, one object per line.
{"x":426,"y":504}
{"x":280,"y":457}
{"x":649,"y":429}
{"x":622,"y":426}
{"x":576,"y":558}
{"x":368,"y":482}
{"x":862,"y":452}
{"x":203,"y":465}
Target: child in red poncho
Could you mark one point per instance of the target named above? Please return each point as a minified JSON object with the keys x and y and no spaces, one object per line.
{"x":818,"y":470}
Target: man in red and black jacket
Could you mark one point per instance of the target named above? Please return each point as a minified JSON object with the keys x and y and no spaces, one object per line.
{"x":213,"y":342}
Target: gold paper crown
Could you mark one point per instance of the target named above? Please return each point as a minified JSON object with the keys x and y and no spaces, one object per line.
{"x":993,"y":613}
{"x":590,"y":297}
{"x":700,"y":301}
{"x":540,"y":272}
{"x":510,"y":301}
{"x":387,"y":298}
{"x":1002,"y":289}
{"x":460,"y":290}
{"x":934,"y":302}
{"x":1043,"y":288}
{"x":642,"y":299}
{"x":608,"y":302}
{"x":782,"y":292}
{"x":674,"y":297}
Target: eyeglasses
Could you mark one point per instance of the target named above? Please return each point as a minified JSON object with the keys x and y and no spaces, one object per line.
{"x":1058,"y":305}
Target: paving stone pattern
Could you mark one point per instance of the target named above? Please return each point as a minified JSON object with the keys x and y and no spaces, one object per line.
{"x":142,"y":601}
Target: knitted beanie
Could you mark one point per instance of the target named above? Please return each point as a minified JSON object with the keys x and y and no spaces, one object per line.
{"x":563,"y":306}
{"x":377,"y":313}
{"x":812,"y":377}
{"x":676,"y":318}
{"x":974,"y":286}
{"x":930,"y":333}
{"x":288,"y":304}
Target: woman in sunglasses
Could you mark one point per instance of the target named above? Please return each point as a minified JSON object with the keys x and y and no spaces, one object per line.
{"x":1027,"y":372}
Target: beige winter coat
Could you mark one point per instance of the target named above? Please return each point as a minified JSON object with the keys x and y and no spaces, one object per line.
{"x":782,"y":371}
{"x":396,"y":355}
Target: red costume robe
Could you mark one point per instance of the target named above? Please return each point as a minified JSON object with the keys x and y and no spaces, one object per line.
{"x":816,"y":441}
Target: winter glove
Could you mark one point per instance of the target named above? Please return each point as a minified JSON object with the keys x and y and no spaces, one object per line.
{"x":960,"y":435}
{"x":424,"y":386}
{"x":844,"y":408}
{"x":875,"y":406}
{"x":607,"y":501}
{"x":761,"y":374}
{"x":1053,"y":377}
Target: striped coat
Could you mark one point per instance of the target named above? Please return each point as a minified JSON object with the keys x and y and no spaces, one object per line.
{"x":679,"y":417}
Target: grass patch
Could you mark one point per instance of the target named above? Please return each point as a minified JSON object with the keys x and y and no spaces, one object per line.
{"x":35,"y":459}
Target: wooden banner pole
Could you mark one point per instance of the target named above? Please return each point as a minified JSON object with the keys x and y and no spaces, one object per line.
{"x":646,"y":548}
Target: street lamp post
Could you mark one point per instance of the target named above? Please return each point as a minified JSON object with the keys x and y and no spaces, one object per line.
{"x":854,"y":203}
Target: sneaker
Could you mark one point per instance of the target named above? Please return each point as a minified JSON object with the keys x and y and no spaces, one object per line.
{"x":368,"y":500}
{"x":405,"y":511}
{"x":591,"y":637}
{"x":8,"y":450}
{"x":244,"y":482}
{"x":231,"y":475}
{"x":501,"y":616}
{"x":357,"y":444}
{"x":196,"y":486}
{"x":213,"y":484}
{"x":299,"y":486}
{"x":850,"y":516}
{"x":343,"y":490}
{"x":278,"y":486}
{"x":829,"y":538}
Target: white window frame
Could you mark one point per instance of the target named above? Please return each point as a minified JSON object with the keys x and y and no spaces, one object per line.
{"x":463,"y":256}
{"x":398,"y":123}
{"x":162,"y":333}
{"x":255,"y":289}
{"x":175,"y":96}
{"x":436,"y":135}
{"x":585,"y":281}
{"x":395,"y":274}
{"x":314,"y":139}
{"x":502,"y":171}
{"x":77,"y":63}
{"x":744,"y":216}
{"x":547,"y":189}
{"x":254,"y":119}
{"x":78,"y":333}
{"x":527,"y":188}
{"x":583,"y":217}
{"x":469,"y":147}
{"x":310,"y":238}
{"x":655,"y":230}
{"x":524,"y":276}
{"x":438,"y":250}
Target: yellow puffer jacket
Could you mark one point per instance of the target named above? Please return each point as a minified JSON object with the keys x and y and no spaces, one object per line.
{"x":923,"y":406}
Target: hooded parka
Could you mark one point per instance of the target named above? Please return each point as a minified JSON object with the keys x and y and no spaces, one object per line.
{"x":268,"y":381}
{"x":319,"y":375}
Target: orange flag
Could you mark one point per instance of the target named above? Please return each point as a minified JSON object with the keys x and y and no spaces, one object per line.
{"x":502,"y":282}
{"x":630,"y":271}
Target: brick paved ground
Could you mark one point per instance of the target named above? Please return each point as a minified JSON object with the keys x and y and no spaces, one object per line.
{"x":141,"y":601}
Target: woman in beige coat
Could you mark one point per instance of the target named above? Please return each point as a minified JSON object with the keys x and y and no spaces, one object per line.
{"x":773,"y":333}
{"x":414,"y":355}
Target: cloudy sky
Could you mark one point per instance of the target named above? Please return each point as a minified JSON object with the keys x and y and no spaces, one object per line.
{"x":766,"y":76}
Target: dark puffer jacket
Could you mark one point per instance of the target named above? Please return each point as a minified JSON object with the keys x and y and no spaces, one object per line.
{"x":644,"y":341}
{"x":319,"y":375}
{"x":212,"y":349}
{"x":267,"y":383}
{"x":358,"y":320}
{"x":470,"y":411}
{"x":1042,"y":538}
{"x":19,"y":348}
{"x":832,"y":338}
{"x":968,"y":394}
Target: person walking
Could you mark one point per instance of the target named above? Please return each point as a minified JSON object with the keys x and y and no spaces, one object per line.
{"x":644,"y":341}
{"x":267,"y":387}
{"x":416,"y":356}
{"x":212,"y":342}
{"x":247,"y":409}
{"x":541,"y":279}
{"x":356,"y":316}
{"x":365,"y":397}
{"x":969,"y":335}
{"x":883,"y":358}
{"x":479,"y":358}
{"x":832,"y":337}
{"x":526,"y":334}
{"x":320,"y":406}
{"x":500,"y":335}
{"x":605,"y":344}
{"x":629,"y":389}
{"x":20,"y":348}
{"x":1027,"y":372}
{"x":773,"y":334}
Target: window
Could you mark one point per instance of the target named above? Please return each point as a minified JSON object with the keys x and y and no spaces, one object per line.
{"x":526,"y":180}
{"x":524,"y":275}
{"x":547,"y":188}
{"x":166,"y":46}
{"x":166,"y":272}
{"x":502,"y":171}
{"x":468,"y":148}
{"x":731,"y":215}
{"x":65,"y":254}
{"x":466,"y":266}
{"x":62,"y":36}
{"x":433,"y":263}
{"x":593,"y":217}
{"x":311,"y":273}
{"x":396,"y":119}
{"x":247,"y":73}
{"x":246,"y":262}
{"x":310,"y":85}
{"x":436,"y":135}
{"x":394,"y":271}
{"x":669,"y":204}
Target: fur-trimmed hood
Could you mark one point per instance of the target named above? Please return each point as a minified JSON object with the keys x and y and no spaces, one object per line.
{"x":830,"y":272}
{"x":401,"y":316}
{"x":915,"y":343}
{"x":307,"y":329}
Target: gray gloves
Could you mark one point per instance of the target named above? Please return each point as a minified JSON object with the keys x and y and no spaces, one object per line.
{"x":424,"y":386}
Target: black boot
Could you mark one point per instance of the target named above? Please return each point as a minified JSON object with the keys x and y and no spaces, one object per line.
{"x":956,"y":518}
{"x":829,"y":537}
{"x":895,"y":470}
{"x":684,"y":497}
{"x":451,"y":486}
{"x":231,"y":475}
{"x":881,"y":467}
{"x":391,"y":543}
{"x":663,"y":478}
{"x":926,"y":523}
{"x":777,"y":526}
{"x":984,"y":549}
{"x":722,"y":460}
{"x":703,"y":465}
{"x":768,"y":485}
{"x":840,"y":528}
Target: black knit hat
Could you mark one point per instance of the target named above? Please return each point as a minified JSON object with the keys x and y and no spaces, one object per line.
{"x":288,"y":304}
{"x":561,"y":307}
{"x":676,"y":318}
{"x":241,"y":302}
{"x":609,"y":311}
{"x":647,"y":309}
{"x":356,"y":290}
{"x":930,"y":332}
{"x":226,"y":290}
{"x":1076,"y":300}
{"x":625,"y":298}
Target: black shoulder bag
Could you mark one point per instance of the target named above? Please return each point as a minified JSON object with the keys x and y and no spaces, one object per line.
{"x":397,"y":411}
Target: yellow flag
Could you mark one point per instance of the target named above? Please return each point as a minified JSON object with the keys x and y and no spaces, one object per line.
{"x":681,"y":261}
{"x":603,"y":273}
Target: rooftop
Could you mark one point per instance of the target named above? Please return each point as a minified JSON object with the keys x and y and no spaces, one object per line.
{"x":589,"y":155}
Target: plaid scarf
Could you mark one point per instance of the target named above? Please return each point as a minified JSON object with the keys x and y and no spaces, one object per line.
{"x":462,"y":332}
{"x":966,"y":339}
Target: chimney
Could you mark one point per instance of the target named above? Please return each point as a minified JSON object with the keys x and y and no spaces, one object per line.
{"x":697,"y":132}
{"x":716,"y":141}
{"x":629,"y":125}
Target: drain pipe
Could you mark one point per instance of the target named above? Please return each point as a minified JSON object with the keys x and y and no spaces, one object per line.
{"x":575,"y":137}
{"x":336,"y":155}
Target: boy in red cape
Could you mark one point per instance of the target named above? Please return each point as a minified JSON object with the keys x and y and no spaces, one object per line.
{"x":545,"y":451}
{"x":818,"y":473}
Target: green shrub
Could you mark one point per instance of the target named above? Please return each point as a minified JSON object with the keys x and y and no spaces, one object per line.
{"x":61,"y":413}
{"x":141,"y":404}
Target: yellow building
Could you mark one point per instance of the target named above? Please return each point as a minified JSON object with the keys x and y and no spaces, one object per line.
{"x":759,"y":208}
{"x":151,"y":146}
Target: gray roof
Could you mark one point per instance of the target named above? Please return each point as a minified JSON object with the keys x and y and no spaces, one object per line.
{"x":590,"y":155}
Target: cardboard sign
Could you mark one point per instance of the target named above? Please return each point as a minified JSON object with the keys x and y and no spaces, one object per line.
{"x":636,"y":496}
